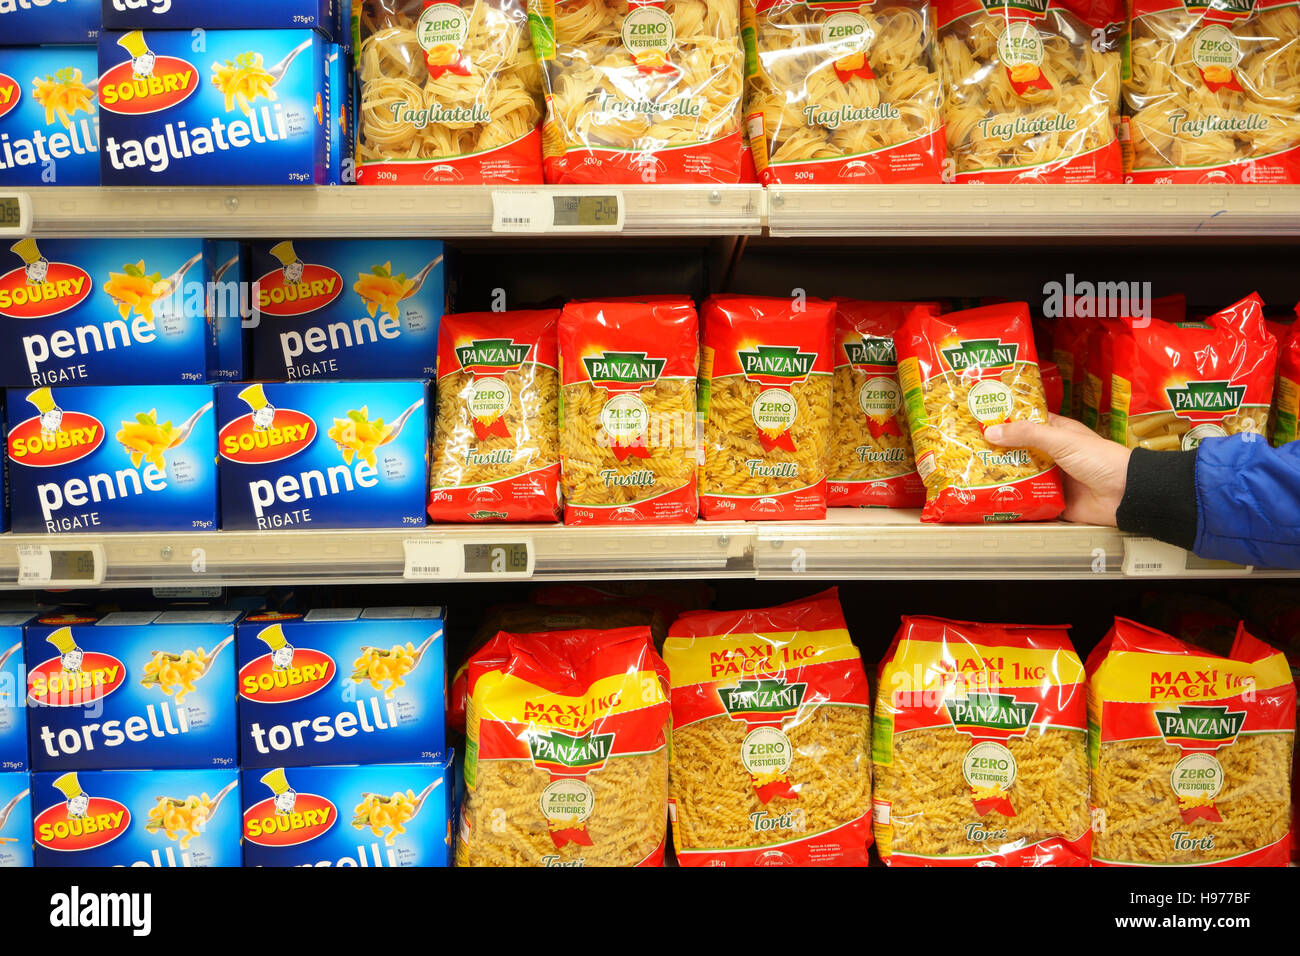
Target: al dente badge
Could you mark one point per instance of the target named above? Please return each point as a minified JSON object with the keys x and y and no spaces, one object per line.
{"x":765,"y":399}
{"x":1210,"y":91}
{"x":771,"y":730}
{"x":450,"y":93}
{"x":567,"y":756}
{"x":496,"y":443}
{"x":1191,"y":752}
{"x":980,"y":747}
{"x":640,"y":90}
{"x":843,"y":91}
{"x":1032,"y":89}
{"x":1174,"y":385}
{"x":962,"y":372}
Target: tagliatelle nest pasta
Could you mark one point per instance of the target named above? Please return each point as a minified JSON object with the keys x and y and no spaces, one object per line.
{"x":63,"y":94}
{"x":1205,"y":91}
{"x":242,"y":81}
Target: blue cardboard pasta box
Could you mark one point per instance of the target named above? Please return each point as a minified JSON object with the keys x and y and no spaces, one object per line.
{"x":342,"y":686}
{"x":136,"y":818}
{"x":15,"y":820}
{"x":212,"y":107}
{"x":133,"y":690}
{"x":13,"y":700}
{"x":322,"y":454}
{"x":112,"y":458}
{"x":346,"y":308}
{"x":223,"y":15}
{"x":225,"y":270}
{"x":32,"y":22}
{"x":49,"y":121}
{"x":103,"y":312}
{"x":379,"y":815}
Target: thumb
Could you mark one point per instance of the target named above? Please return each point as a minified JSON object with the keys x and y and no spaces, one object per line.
{"x":1021,"y":434}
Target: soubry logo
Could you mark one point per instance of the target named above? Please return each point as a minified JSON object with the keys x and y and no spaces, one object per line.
{"x":11,"y":92}
{"x":776,"y":364}
{"x":77,"y":436}
{"x":623,"y":371}
{"x":564,"y":754}
{"x":169,"y":82}
{"x":81,"y":823}
{"x":991,"y":715}
{"x":498,"y":355}
{"x":871,"y":351}
{"x":297,"y":291}
{"x":307,"y":817}
{"x":39,"y":288}
{"x":1205,"y":401}
{"x":56,"y":683}
{"x":1193,"y":727}
{"x":769,"y":698}
{"x":243,"y":441}
{"x":262,"y":681}
{"x":980,"y":354}
{"x":75,"y":910}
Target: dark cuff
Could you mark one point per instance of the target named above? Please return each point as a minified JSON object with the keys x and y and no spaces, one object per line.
{"x":1160,"y":496}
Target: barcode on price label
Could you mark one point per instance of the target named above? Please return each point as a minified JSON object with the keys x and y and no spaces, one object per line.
{"x":1147,"y":557}
{"x":40,"y":565}
{"x":428,"y":560}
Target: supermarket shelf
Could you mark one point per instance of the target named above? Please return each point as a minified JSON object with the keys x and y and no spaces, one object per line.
{"x":1016,"y":212}
{"x":384,"y":211}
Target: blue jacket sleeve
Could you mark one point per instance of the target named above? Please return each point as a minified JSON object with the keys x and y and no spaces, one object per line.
{"x":1248,"y":502}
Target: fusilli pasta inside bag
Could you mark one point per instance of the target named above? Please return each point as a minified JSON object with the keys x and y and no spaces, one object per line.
{"x":771,"y":724}
{"x":566,"y":761}
{"x":960,"y":373}
{"x":496,"y":443}
{"x":628,"y":435}
{"x":1190,"y":751}
{"x":765,"y":398}
{"x":1032,"y":89}
{"x":640,"y":91}
{"x":980,"y":747}
{"x":1212,"y":92}
{"x":1174,"y":385}
{"x":872,"y":464}
{"x":843,"y":91}
{"x":1286,"y":400}
{"x":450,"y":92}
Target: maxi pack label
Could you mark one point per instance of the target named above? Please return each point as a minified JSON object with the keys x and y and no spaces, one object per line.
{"x":225,"y":15}
{"x":346,"y":308}
{"x":15,"y":820}
{"x":212,"y":107}
{"x":136,"y":818}
{"x":102,"y":312}
{"x":381,"y":815}
{"x":35,"y":22}
{"x":322,"y":454}
{"x":134,"y":690}
{"x":112,"y":458}
{"x":49,"y":122}
{"x":342,"y":686}
{"x":13,"y":696}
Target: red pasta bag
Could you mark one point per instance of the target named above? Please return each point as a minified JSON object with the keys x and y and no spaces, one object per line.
{"x":1101,"y":361}
{"x":871,"y":455}
{"x":1286,"y":405}
{"x":1053,"y":384}
{"x":1070,"y":353}
{"x":962,"y":372}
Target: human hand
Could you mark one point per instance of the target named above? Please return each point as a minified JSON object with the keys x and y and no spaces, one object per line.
{"x":1095,"y":468}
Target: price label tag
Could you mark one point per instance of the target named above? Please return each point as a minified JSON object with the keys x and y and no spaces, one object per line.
{"x":43,"y":566}
{"x":442,"y":560}
{"x":536,"y":211}
{"x":15,"y":214}
{"x":1147,"y":557}
{"x":513,"y":559}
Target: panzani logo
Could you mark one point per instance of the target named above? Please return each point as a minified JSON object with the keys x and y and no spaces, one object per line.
{"x":764,"y":700}
{"x":991,"y":716}
{"x":1033,"y":8}
{"x":562,"y":754}
{"x":1205,"y":401}
{"x":980,"y":354}
{"x":871,"y":350}
{"x":623,"y":371}
{"x":497,"y":355}
{"x":1199,"y":727}
{"x":781,"y":365}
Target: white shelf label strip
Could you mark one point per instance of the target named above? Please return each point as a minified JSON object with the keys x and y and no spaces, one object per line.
{"x":534,"y":211}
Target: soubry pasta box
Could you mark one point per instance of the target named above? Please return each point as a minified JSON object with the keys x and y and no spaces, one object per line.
{"x":342,"y":686}
{"x":378,"y":815}
{"x":13,"y":703}
{"x":225,"y":268}
{"x":226,"y":15}
{"x":49,"y":123}
{"x":15,"y":820}
{"x":89,"y":818}
{"x":345,"y":308}
{"x":132,"y":690}
{"x":105,"y":312}
{"x":33,"y":22}
{"x":323,"y":454}
{"x":112,"y":458}
{"x":229,"y":107}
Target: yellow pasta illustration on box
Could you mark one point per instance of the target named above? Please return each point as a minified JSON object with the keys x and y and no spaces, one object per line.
{"x":358,"y":437}
{"x":385,"y":816}
{"x":181,"y":820}
{"x":145,"y":439}
{"x":379,"y":289}
{"x":382,"y":667}
{"x":176,"y":674}
{"x":135,"y":290}
{"x":243,"y":80}
{"x":63,"y":94}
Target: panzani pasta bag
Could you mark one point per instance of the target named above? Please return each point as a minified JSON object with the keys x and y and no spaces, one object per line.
{"x":843,"y":92}
{"x":640,"y":90}
{"x":771,"y":723}
{"x":1286,"y":402}
{"x":496,"y":442}
{"x":765,"y":399}
{"x":1190,"y":751}
{"x":1175,"y":385}
{"x":1032,"y":89}
{"x":871,"y":451}
{"x":450,"y":92}
{"x":980,"y":747}
{"x":1210,"y":90}
{"x":628,"y":433}
{"x":1100,"y":361}
{"x":566,"y":760}
{"x":1070,"y":338}
{"x":962,"y":372}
